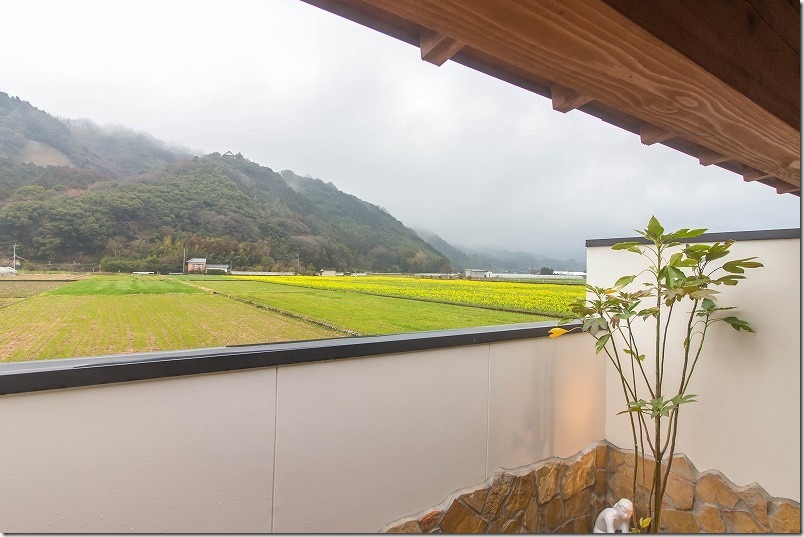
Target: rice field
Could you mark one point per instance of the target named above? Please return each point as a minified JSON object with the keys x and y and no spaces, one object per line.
{"x":72,"y":325}
{"x":101,"y":315}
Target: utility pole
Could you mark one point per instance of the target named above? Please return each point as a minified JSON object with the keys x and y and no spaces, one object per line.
{"x":15,"y":257}
{"x":298,"y":264}
{"x":184,"y":263}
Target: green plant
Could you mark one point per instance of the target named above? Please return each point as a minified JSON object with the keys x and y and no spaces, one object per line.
{"x":677,"y":275}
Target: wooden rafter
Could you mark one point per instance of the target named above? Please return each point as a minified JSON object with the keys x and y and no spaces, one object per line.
{"x":437,"y":48}
{"x":565,"y":99}
{"x":751,"y":174}
{"x":651,"y":134}
{"x":707,"y":157}
{"x":604,"y":50}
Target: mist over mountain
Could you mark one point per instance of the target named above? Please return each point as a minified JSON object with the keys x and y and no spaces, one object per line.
{"x":73,"y":192}
{"x":461,"y":257}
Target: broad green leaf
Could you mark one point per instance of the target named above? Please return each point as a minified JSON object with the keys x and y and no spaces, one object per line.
{"x":675,"y":259}
{"x":681,"y":399}
{"x":625,"y":245}
{"x":738,"y":324}
{"x":685,"y":233}
{"x":648,"y":312}
{"x":731,"y":279}
{"x":708,"y":304}
{"x":704,"y":293}
{"x":738,"y":266}
{"x":625,"y":280}
{"x":655,"y":229}
{"x":733,"y":267}
{"x":601,"y":343}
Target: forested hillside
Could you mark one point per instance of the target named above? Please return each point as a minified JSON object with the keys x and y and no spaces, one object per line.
{"x":128,"y":202}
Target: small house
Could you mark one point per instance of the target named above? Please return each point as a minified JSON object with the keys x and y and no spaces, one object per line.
{"x":197,"y":265}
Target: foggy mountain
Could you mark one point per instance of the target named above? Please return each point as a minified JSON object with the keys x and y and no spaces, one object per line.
{"x":461,"y":257}
{"x":71,"y":191}
{"x":74,"y":192}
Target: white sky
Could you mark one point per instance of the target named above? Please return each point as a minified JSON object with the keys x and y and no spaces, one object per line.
{"x":478,"y":161}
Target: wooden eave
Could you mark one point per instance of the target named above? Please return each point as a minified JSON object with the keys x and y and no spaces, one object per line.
{"x":718,"y":80}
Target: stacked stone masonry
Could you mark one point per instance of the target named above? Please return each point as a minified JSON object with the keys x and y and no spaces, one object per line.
{"x":565,"y":496}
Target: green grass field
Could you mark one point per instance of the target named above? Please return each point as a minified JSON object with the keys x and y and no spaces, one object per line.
{"x":122,"y":314}
{"x":125,"y":285}
{"x":364,"y":313}
{"x":63,"y":326}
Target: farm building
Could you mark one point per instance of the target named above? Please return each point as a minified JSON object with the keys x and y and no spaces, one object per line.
{"x":197,"y":265}
{"x":477,"y":273}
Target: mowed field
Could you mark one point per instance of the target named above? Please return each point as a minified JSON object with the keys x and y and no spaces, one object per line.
{"x":134,"y":314}
{"x":122,"y":314}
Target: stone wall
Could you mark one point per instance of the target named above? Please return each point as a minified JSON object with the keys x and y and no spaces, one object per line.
{"x":552,"y":496}
{"x":701,"y":502}
{"x":565,"y":496}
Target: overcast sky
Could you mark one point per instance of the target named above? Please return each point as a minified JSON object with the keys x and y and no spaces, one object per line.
{"x":471,"y":158}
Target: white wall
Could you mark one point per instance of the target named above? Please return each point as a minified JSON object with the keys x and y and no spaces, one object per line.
{"x":365,"y":442}
{"x":747,"y":420}
{"x":345,"y":446}
{"x":191,"y":454}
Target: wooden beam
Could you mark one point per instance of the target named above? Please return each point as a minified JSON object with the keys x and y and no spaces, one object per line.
{"x":787,"y":188}
{"x":590,"y":47}
{"x":707,"y":157}
{"x":437,"y":48}
{"x":651,"y":134}
{"x":752,"y":45}
{"x":565,"y":99}
{"x":751,"y":174}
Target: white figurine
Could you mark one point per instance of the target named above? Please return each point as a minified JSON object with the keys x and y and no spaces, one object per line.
{"x":617,"y":518}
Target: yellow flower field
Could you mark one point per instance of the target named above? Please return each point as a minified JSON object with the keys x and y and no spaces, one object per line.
{"x":546,"y":299}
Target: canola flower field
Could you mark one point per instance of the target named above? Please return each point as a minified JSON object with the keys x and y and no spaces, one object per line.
{"x":543,"y":299}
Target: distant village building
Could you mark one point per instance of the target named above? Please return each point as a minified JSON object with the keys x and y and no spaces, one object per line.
{"x":477,"y":273}
{"x":329,"y":272}
{"x":569,"y":273}
{"x":222,"y":268}
{"x":199,"y":265}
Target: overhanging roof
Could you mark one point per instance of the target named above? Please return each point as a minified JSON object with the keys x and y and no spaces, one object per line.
{"x":718,"y":80}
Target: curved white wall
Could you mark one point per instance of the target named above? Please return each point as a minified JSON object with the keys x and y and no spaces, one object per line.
{"x":747,"y":421}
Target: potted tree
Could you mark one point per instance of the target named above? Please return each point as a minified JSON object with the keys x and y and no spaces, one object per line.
{"x":679,"y":279}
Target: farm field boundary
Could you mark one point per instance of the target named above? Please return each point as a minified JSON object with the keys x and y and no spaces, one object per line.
{"x":274,"y":309}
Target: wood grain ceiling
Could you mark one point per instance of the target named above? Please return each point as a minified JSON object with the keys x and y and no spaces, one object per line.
{"x":716,"y":79}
